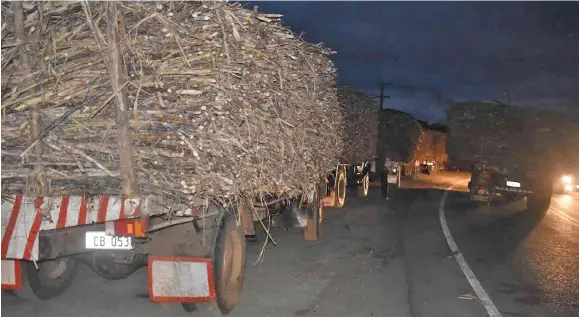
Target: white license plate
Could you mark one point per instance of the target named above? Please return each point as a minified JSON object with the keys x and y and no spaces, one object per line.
{"x":513,"y":184}
{"x":99,"y":240}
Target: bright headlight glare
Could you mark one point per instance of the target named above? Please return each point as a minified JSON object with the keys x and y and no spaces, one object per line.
{"x":567,"y":179}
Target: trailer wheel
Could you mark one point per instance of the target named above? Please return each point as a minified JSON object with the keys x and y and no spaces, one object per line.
{"x":229,"y":255}
{"x":540,"y":200}
{"x":51,"y":279}
{"x":538,"y":203}
{"x":340,"y":185}
{"x":229,"y":259}
{"x":362,"y":189}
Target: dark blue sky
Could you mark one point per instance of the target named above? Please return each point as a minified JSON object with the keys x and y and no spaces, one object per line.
{"x":436,"y":52}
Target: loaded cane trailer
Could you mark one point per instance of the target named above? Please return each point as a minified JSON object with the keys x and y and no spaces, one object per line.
{"x":403,"y":143}
{"x":513,"y":152}
{"x":360,"y":141}
{"x":355,"y":176}
{"x":298,"y":212}
{"x":67,"y":203}
{"x":357,"y":146}
{"x":357,"y":140}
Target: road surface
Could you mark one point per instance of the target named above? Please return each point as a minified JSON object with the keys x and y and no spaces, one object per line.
{"x":527,"y":262}
{"x":382,"y":258}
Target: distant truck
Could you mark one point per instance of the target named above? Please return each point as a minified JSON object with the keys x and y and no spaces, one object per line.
{"x":566,"y":180}
{"x":410,"y":142}
{"x":512,"y":151}
{"x":360,"y":142}
{"x":401,"y":137}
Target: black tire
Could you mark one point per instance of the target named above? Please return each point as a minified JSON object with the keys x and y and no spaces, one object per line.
{"x":104,"y":266}
{"x":540,"y":200}
{"x":340,"y":188}
{"x":229,"y":261}
{"x":538,"y":203}
{"x":51,"y":279}
{"x":362,"y":189}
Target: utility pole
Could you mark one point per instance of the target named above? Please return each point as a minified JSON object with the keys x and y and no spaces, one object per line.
{"x":380,"y":146}
{"x":508,"y":95}
{"x":382,"y":96}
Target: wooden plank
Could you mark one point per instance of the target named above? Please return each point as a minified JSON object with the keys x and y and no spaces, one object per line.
{"x":128,"y":172}
{"x":313,"y":228}
{"x":247,"y":219}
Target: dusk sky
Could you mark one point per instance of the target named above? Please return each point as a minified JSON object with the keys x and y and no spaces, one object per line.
{"x":436,"y":52}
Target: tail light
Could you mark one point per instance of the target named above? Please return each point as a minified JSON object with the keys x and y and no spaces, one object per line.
{"x":131,"y":227}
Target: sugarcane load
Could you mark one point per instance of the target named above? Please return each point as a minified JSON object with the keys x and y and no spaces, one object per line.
{"x":215,"y":98}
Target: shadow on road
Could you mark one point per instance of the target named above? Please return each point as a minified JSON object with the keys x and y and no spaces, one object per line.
{"x":500,"y":227}
{"x":408,"y":195}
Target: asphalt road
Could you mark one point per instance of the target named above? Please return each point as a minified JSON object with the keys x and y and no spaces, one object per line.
{"x":528,"y":262}
{"x":382,"y":258}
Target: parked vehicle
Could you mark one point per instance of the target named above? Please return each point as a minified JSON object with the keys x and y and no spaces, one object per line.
{"x":429,"y":168}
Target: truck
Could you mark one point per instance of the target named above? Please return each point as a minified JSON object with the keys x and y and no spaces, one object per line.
{"x":360,"y":138}
{"x":400,"y":135}
{"x":512,"y":151}
{"x":566,"y":180}
{"x":566,"y":169}
{"x":405,"y":140}
{"x":145,"y":145}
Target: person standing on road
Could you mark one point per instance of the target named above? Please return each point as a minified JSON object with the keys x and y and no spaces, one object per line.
{"x":385,"y":186}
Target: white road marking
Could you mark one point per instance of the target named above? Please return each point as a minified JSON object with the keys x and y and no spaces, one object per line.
{"x":468,"y":273}
{"x":563,"y":215}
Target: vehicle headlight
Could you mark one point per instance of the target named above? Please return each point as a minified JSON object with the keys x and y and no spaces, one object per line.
{"x":568,"y":188}
{"x":567,"y":179}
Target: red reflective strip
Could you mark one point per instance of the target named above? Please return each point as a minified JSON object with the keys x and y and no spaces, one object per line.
{"x":119,"y":227}
{"x":11,"y":223}
{"x":82,"y":212}
{"x":122,"y":213}
{"x":34,"y":229}
{"x":103,"y":207}
{"x":63,"y":212}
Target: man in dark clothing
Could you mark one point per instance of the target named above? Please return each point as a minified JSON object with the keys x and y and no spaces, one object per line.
{"x":385,"y":185}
